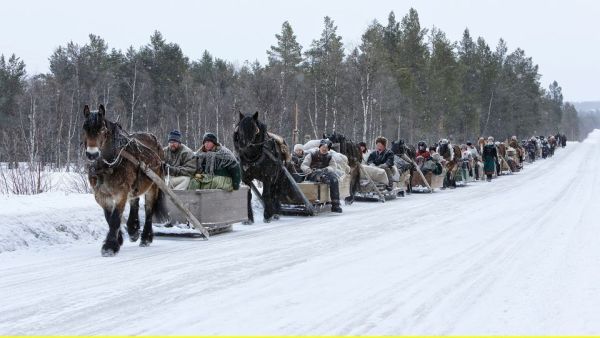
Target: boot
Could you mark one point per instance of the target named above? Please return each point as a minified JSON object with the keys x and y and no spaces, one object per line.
{"x":335,"y":207}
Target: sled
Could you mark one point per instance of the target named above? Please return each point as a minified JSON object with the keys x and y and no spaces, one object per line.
{"x":317,"y":194}
{"x":370,"y":191}
{"x":434,"y":181}
{"x":216,"y":210}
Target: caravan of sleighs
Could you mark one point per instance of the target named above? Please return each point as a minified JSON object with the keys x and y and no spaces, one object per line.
{"x":199,"y":193}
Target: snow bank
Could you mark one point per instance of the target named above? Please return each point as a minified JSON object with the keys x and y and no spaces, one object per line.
{"x":593,"y":137}
{"x":48,"y":219}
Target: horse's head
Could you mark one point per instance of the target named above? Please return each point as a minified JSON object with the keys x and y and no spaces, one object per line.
{"x":398,"y":147}
{"x":335,"y":137}
{"x":444,"y":147}
{"x":94,"y":132}
{"x":249,"y":130}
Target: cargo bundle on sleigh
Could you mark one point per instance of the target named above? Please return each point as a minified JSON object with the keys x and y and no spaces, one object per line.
{"x":374,"y":184}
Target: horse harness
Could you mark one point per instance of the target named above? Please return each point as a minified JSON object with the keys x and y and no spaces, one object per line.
{"x":120,"y":141}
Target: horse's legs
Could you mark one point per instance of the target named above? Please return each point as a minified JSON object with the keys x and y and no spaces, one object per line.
{"x":276,"y":200}
{"x":250,"y":213}
{"x":114,"y":237}
{"x":267,"y":199}
{"x":133,"y":221}
{"x":151,"y":198}
{"x":354,"y":183}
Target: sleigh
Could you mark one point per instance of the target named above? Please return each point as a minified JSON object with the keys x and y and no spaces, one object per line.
{"x":464,"y":175}
{"x":217,"y":210}
{"x":434,"y":181}
{"x":316,"y":194}
{"x":371,"y":191}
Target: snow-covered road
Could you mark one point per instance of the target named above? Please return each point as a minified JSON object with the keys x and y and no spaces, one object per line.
{"x":520,"y":255}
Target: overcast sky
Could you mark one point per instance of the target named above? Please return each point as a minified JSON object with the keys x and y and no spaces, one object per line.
{"x":561,"y":36}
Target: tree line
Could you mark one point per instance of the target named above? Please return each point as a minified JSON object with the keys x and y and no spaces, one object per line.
{"x":402,"y":81}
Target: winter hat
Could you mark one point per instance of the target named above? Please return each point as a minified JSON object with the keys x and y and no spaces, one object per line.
{"x":325,"y":142}
{"x":491,"y":139}
{"x":209,"y":137}
{"x":362,"y":144}
{"x":381,"y":140}
{"x":298,"y":146}
{"x":175,"y":136}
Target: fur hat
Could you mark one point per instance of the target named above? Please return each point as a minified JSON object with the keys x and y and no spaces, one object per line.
{"x":381,"y":140}
{"x":209,"y":137}
{"x":491,"y":139}
{"x":298,"y":146}
{"x":175,"y":136}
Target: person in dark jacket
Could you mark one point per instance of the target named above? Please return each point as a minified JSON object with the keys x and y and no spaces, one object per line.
{"x":319,"y":166}
{"x":490,"y":157}
{"x":216,"y":166}
{"x":382,"y":158}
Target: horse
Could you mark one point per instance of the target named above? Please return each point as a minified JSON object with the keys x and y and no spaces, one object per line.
{"x":450,"y":153}
{"x":503,"y":163}
{"x":399,"y":148}
{"x":262,"y":158}
{"x":355,"y":157}
{"x":116,"y":181}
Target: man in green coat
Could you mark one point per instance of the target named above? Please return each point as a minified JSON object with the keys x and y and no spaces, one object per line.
{"x":216,"y":166}
{"x":179,"y":160}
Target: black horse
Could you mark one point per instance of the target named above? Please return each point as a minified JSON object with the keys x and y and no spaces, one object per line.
{"x":399,"y":148}
{"x":351,"y":150}
{"x":262,"y":158}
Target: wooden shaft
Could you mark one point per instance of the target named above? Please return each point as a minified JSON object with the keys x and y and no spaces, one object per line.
{"x":408,"y":159}
{"x":309,"y":206}
{"x":162,"y":186}
{"x":370,"y":181}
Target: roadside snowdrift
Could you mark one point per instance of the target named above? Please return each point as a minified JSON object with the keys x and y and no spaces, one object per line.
{"x":48,"y":219}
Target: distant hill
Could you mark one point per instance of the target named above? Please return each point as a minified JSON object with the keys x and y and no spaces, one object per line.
{"x":587,"y":106}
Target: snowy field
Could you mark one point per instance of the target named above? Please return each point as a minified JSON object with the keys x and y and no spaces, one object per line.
{"x":520,"y":255}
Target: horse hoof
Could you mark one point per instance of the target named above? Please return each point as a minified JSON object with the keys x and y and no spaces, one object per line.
{"x":108,"y":252}
{"x":248,"y":222}
{"x":134,"y":237}
{"x":267,"y":220}
{"x":275,"y":217}
{"x":145,"y":243}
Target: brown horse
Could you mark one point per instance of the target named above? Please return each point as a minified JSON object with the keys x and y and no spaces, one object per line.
{"x":451,"y":154}
{"x":115,"y":180}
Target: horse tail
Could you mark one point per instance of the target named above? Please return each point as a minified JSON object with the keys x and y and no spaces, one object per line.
{"x":160,"y":211}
